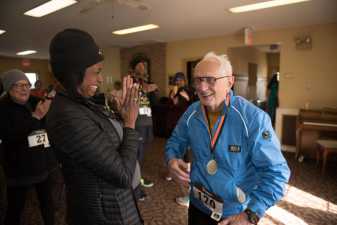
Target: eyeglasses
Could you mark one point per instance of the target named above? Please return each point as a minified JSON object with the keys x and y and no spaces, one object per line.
{"x":21,"y":86}
{"x":209,"y":80}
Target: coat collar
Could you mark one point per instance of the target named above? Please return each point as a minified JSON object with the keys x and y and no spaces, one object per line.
{"x":199,"y":110}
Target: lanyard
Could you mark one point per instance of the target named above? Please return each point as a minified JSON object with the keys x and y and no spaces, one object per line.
{"x":215,"y":137}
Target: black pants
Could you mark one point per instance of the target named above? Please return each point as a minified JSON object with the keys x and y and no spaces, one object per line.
{"x":196,"y":217}
{"x":146,"y":137}
{"x":3,"y":195}
{"x":16,"y":197}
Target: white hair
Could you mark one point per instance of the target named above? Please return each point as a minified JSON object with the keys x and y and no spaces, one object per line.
{"x":225,"y":64}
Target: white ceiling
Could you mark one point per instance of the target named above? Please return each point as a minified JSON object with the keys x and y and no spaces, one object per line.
{"x":178,"y":20}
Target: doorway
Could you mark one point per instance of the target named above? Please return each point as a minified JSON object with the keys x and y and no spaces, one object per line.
{"x":253,"y":67}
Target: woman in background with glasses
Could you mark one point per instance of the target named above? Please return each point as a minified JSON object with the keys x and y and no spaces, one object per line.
{"x":24,"y":148}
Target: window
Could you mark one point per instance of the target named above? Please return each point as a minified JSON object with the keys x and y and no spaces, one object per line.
{"x":32,"y":77}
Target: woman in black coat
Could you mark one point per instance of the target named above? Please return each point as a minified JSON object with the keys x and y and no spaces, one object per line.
{"x":97,"y":150}
{"x":25,"y":153}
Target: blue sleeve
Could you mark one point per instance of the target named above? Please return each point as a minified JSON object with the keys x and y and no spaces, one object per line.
{"x":178,"y":142}
{"x":271,"y":167}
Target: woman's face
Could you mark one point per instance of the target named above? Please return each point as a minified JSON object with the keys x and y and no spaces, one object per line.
{"x":20,"y":91}
{"x":91,"y":81}
{"x":140,"y":68}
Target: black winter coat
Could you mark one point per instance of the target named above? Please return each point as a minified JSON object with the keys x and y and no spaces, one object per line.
{"x":23,"y":165}
{"x":97,"y":163}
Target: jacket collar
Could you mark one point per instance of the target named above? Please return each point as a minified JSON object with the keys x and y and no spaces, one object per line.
{"x":199,"y":110}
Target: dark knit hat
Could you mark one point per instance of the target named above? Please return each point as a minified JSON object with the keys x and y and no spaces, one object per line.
{"x":179,"y":76}
{"x":71,"y":52}
{"x":11,"y":77}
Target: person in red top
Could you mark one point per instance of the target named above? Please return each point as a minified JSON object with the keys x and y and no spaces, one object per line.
{"x":38,"y":91}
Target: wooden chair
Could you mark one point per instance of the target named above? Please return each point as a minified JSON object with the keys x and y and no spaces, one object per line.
{"x":325,"y":148}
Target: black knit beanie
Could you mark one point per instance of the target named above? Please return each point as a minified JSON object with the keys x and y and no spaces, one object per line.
{"x":71,"y":52}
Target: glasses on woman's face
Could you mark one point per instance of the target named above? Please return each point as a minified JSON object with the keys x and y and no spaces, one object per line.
{"x":209,"y":80}
{"x":22,"y":86}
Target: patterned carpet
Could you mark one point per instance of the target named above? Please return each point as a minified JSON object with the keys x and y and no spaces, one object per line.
{"x":311,"y":199}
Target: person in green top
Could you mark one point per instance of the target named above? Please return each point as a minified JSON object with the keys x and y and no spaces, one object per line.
{"x":273,"y":97}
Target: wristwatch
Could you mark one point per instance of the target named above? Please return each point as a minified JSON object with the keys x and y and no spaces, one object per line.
{"x":252,"y":216}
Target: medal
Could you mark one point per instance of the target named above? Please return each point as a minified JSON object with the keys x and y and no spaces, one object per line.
{"x":212,"y":167}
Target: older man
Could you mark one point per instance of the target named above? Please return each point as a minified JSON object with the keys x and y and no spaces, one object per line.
{"x":238,"y":170}
{"x":26,"y":157}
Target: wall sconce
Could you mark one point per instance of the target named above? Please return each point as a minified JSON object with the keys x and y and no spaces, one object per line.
{"x":303,"y":42}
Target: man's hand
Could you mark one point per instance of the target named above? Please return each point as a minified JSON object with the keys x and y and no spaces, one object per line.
{"x":180,"y":171}
{"x":239,"y":219}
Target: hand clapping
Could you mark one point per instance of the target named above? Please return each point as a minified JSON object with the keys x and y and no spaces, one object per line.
{"x":130,"y":102}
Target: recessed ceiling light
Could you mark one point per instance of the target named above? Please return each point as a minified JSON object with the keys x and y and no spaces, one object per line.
{"x":27,"y":52}
{"x":49,"y":7}
{"x":135,"y":29}
{"x":264,"y":5}
{"x":2,"y":31}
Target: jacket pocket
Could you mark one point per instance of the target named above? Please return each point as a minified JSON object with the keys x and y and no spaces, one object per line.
{"x":235,"y":194}
{"x":240,"y":195}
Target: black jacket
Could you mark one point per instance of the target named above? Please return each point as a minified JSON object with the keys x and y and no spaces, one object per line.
{"x":22,"y":165}
{"x":97,"y":163}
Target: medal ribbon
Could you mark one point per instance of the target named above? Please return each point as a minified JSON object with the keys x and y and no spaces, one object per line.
{"x":215,"y":137}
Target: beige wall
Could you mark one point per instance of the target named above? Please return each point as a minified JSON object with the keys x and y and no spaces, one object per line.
{"x":111,"y":69}
{"x":156,"y":53}
{"x":39,"y":66}
{"x":240,"y":57}
{"x":306,"y":75}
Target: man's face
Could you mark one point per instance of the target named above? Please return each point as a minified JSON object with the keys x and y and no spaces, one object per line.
{"x":20,"y":91}
{"x":91,"y":81}
{"x":212,"y":94}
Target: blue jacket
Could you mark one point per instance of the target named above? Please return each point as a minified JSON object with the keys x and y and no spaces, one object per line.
{"x":252,"y":172}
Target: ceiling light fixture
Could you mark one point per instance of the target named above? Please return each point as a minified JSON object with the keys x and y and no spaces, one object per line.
{"x":27,"y":52}
{"x":49,"y":7}
{"x":264,"y":5}
{"x":2,"y":31}
{"x":136,"y":29}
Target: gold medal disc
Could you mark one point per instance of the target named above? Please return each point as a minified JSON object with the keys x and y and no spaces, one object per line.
{"x":212,"y":167}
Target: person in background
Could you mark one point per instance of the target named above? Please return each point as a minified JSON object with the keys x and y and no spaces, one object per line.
{"x":3,"y":184}
{"x":38,"y":90}
{"x":181,"y":96}
{"x":25,"y":147}
{"x":273,"y":97}
{"x":3,"y":189}
{"x":144,"y":124}
{"x":97,"y":148}
{"x":1,"y":88}
{"x":238,"y":170}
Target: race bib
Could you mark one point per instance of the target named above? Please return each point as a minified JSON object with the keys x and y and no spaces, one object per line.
{"x":210,"y":201}
{"x":145,"y":111}
{"x":38,"y":137}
